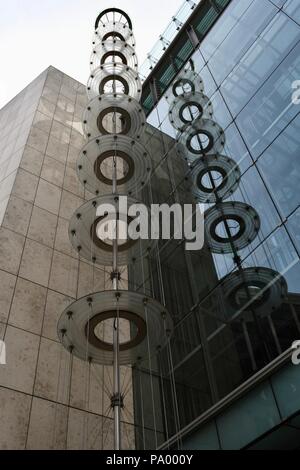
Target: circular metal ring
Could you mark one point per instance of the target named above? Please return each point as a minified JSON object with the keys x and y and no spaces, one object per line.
{"x":114,"y":30}
{"x":116,"y":72}
{"x":203,"y":137}
{"x":260,"y":290}
{"x":138,"y":162}
{"x":138,"y":322}
{"x":187,"y":102}
{"x":113,"y":47}
{"x":84,"y":238}
{"x":242,"y":214}
{"x":132,"y":115}
{"x":186,"y":82}
{"x":112,"y":12}
{"x":204,"y":167}
{"x":77,"y":324}
{"x":121,"y":178}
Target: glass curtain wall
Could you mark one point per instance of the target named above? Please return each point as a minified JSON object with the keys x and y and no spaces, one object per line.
{"x":248,"y":63}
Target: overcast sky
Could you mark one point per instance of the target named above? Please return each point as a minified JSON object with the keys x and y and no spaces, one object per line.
{"x":37,"y":33}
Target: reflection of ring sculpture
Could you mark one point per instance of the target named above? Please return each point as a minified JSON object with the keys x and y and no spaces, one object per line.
{"x":229,"y":226}
{"x":112,"y":163}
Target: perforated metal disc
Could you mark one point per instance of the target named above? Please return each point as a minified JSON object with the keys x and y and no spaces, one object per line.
{"x":202,"y":137}
{"x":262,"y":290}
{"x":83,"y":233}
{"x":186,"y":82}
{"x":237,"y":213}
{"x":120,"y":31}
{"x":181,"y":114}
{"x":134,"y":154}
{"x":121,"y":74}
{"x":133,"y":116}
{"x":228,"y":178}
{"x":79,"y":320}
{"x":121,"y":49}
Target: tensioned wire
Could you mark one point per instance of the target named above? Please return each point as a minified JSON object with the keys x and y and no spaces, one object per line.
{"x":87,"y":345}
{"x":129,"y":384}
{"x":57,"y":395}
{"x":115,"y":281}
{"x":142,"y":407}
{"x":117,"y":319}
{"x":108,"y":410}
{"x":69,"y":391}
{"x":238,"y":263}
{"x":71,"y":350}
{"x":87,"y":388}
{"x":149,"y":357}
{"x":66,"y":373}
{"x":88,"y":371}
{"x":86,"y":378}
{"x":88,"y":361}
{"x":148,"y":339}
{"x":163,"y":395}
{"x":215,"y":189}
{"x":171,"y":369}
{"x":264,"y":246}
{"x":149,"y":352}
{"x":105,"y":412}
{"x":163,"y":300}
{"x":170,"y":359}
{"x":173,"y":391}
{"x":126,"y":386}
{"x":107,"y":392}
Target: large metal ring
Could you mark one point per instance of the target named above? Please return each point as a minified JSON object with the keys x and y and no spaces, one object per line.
{"x":77,"y":327}
{"x":84,"y":237}
{"x":124,"y":75}
{"x":181,"y":104}
{"x":113,"y":48}
{"x":258,"y":290}
{"x":114,"y":30}
{"x":204,"y":170}
{"x":132,"y":120}
{"x":109,"y":14}
{"x":243,"y":215}
{"x":133,"y":155}
{"x":185,"y":83}
{"x":202,"y":137}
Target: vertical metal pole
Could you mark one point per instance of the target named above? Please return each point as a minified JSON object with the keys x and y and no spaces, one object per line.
{"x":116,"y":342}
{"x":117,"y":404}
{"x":116,"y":365}
{"x":249,"y":346}
{"x":116,"y":399}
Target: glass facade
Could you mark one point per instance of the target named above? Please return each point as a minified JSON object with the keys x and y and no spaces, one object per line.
{"x":167,"y":37}
{"x":247,"y":62}
{"x":188,"y":27}
{"x":272,"y":404}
